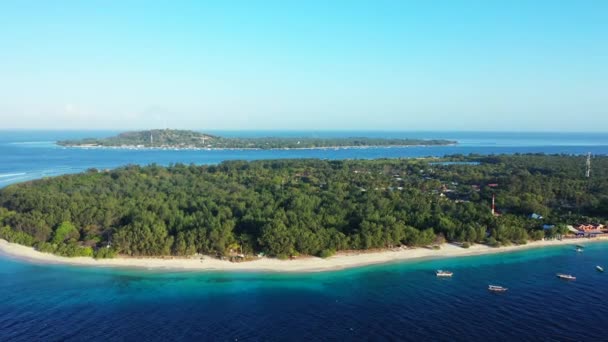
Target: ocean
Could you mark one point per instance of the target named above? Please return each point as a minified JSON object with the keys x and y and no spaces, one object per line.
{"x":26,"y":155}
{"x":400,"y":301}
{"x":403,"y":301}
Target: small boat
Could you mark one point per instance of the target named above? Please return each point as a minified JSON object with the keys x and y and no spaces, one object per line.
{"x":496,"y":288}
{"x":566,"y":276}
{"x":578,"y":249}
{"x":442,"y":273}
{"x":599,"y":268}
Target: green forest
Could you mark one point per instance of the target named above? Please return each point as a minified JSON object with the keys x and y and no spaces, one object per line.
{"x":171,"y":138}
{"x":312,"y":207}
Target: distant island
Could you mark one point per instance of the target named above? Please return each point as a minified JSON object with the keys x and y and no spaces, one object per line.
{"x":240,"y":210}
{"x":185,"y":139}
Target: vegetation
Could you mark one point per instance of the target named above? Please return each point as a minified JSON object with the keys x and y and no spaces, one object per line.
{"x":168,"y":138}
{"x":313,"y":207}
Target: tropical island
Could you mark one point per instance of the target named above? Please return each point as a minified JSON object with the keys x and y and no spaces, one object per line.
{"x":240,"y":211}
{"x":185,"y":139}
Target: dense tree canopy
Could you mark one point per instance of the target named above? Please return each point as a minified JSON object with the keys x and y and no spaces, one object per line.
{"x":315,"y":207}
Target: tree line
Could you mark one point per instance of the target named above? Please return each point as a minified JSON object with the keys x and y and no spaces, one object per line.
{"x":312,"y":207}
{"x":190,"y":139}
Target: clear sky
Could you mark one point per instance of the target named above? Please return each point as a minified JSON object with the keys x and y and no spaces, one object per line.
{"x":305,"y":65}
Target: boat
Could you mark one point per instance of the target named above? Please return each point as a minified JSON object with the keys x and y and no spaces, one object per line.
{"x":566,"y":276}
{"x":579,"y":249}
{"x":442,"y":273}
{"x":496,"y":288}
{"x":599,"y":268}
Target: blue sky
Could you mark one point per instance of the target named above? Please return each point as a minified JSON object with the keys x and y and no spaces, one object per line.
{"x":305,"y":65}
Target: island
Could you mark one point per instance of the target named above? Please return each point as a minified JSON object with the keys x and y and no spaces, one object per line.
{"x":284,"y":209}
{"x":185,"y":139}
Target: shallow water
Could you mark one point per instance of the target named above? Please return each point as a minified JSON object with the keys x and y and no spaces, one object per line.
{"x":402,"y":301}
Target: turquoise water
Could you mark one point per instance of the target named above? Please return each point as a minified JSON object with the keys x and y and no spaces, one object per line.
{"x":403,"y":301}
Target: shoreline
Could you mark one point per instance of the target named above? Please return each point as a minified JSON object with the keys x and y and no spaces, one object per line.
{"x":177,"y":148}
{"x":340,"y":261}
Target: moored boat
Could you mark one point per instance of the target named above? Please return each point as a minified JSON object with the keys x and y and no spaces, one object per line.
{"x":442,"y":273}
{"x":566,"y":276}
{"x":496,"y":288}
{"x":599,"y":268}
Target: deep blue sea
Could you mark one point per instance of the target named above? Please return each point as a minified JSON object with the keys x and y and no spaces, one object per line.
{"x":403,"y":301}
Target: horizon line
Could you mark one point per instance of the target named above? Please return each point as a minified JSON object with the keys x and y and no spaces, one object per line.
{"x":300,"y":130}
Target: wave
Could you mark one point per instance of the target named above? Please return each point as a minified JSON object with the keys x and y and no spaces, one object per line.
{"x":15,"y":177}
{"x":12,"y":174}
{"x":7,"y":181}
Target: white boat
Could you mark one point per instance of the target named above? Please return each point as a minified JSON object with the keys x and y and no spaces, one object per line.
{"x":442,"y":273}
{"x":579,"y":249}
{"x":566,"y":276}
{"x":496,"y":288}
{"x":599,"y":268}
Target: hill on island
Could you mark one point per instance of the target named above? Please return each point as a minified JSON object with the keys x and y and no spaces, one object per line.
{"x":171,"y":138}
{"x":149,"y":138}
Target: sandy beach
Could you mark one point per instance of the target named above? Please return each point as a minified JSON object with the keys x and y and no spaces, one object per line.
{"x":339,"y":261}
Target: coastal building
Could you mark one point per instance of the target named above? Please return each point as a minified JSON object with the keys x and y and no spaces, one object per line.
{"x":536,"y":216}
{"x":588,"y":230}
{"x":594,"y":233}
{"x":589,"y":227}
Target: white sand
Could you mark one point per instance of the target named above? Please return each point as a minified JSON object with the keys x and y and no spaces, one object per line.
{"x":302,"y":264}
